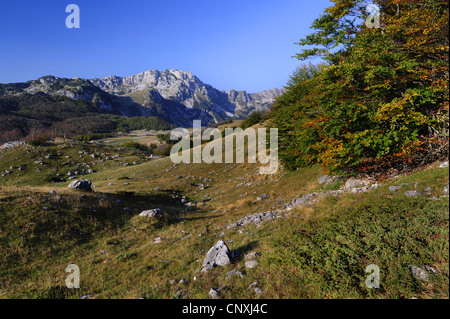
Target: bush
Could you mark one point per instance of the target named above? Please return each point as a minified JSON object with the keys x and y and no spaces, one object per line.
{"x":379,"y":99}
{"x":253,"y":119}
{"x":162,"y":150}
{"x":136,"y":145}
{"x":38,"y":142}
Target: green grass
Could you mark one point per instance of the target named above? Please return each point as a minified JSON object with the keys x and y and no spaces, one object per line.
{"x":329,"y":255}
{"x":319,"y":251}
{"x":39,"y":170}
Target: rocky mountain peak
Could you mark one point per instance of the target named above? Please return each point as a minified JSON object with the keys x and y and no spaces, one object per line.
{"x":177,"y":96}
{"x":185,"y":88}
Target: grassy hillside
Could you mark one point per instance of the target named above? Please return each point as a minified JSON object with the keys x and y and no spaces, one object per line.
{"x":318,"y":250}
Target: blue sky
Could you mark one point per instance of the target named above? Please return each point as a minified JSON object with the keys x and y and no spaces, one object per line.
{"x":243,"y":45}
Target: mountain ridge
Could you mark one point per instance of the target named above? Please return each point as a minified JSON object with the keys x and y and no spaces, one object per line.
{"x":185,"y":88}
{"x":178,"y":97}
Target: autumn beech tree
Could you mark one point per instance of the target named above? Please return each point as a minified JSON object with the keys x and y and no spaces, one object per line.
{"x":379,"y":100}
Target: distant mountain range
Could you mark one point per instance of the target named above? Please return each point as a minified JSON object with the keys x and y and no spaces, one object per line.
{"x":177,"y":97}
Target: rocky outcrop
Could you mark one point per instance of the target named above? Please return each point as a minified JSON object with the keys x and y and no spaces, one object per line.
{"x":218,"y":255}
{"x":188,"y":90}
{"x":255,"y":218}
{"x":12,"y":144}
{"x":81,"y":185}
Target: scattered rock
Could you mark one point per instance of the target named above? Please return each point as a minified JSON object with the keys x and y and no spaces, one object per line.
{"x":152,"y":213}
{"x":250,"y":264}
{"x":356,"y":182}
{"x":422,"y":273}
{"x":252,"y":285}
{"x":181,"y":294}
{"x":234,"y":272}
{"x":186,"y":237}
{"x":258,"y":291}
{"x":307,"y":198}
{"x":363,"y":189}
{"x":252,"y":256}
{"x":323,"y":179}
{"x":412,"y":193}
{"x":157,"y":240}
{"x":12,"y":144}
{"x":255,"y":218}
{"x":214,"y":293}
{"x":263,"y":196}
{"x":394,"y":188}
{"x":327,"y":179}
{"x":218,"y":255}
{"x":81,"y":185}
{"x":443,"y":164}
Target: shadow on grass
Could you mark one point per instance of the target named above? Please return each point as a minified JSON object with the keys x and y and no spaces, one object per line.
{"x":245,"y":249}
{"x":77,"y":217}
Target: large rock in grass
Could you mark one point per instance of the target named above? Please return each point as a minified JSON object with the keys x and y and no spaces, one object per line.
{"x":81,"y":185}
{"x":218,"y":255}
{"x":422,"y":273}
{"x":356,"y":182}
{"x":152,"y":213}
{"x":326,"y":179}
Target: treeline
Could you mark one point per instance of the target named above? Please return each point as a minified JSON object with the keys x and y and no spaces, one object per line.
{"x":33,"y":117}
{"x":126,"y":124}
{"x":380,"y":98}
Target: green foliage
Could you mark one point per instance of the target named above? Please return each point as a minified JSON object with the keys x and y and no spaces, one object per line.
{"x":136,"y":145}
{"x":38,"y":142}
{"x":165,"y":138}
{"x":377,"y":101}
{"x":253,"y":119}
{"x":143,"y":123}
{"x":162,"y":149}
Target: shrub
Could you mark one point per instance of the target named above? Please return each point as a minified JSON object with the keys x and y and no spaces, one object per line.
{"x":253,"y":119}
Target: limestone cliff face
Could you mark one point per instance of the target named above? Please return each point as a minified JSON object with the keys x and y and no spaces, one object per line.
{"x":185,"y":88}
